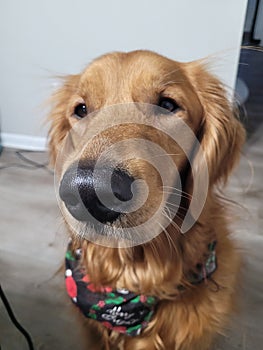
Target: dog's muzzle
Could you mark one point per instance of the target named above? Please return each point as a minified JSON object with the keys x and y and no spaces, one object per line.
{"x":85,"y":192}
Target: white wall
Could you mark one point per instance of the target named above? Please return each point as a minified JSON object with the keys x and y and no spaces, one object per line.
{"x":40,"y":39}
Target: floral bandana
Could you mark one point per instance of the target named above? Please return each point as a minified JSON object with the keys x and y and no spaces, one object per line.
{"x":119,"y":310}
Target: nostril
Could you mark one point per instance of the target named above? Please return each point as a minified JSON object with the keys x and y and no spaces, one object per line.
{"x":122,"y":185}
{"x":97,"y":205}
{"x":120,"y":197}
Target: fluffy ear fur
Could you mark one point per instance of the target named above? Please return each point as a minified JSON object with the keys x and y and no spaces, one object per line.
{"x":58,"y":116}
{"x":221,"y":134}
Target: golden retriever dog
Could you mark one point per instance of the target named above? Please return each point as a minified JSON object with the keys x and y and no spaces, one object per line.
{"x":146,"y":276}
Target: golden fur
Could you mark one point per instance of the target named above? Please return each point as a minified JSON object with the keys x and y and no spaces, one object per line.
{"x":188,"y":320}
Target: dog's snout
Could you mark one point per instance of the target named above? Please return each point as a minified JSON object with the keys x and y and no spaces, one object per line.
{"x":85,"y":191}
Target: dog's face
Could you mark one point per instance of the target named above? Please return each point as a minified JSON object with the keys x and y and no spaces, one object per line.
{"x":139,"y":101}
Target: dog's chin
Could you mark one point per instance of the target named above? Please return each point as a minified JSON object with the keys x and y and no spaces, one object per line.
{"x":126,"y":231}
{"x":108,"y":235}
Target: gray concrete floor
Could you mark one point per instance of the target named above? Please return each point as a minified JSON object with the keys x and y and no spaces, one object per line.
{"x":32,"y":249}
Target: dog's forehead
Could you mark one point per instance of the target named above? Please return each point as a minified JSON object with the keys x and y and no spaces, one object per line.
{"x":131,"y":66}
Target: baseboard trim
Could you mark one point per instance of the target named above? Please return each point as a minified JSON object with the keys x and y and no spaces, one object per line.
{"x":26,"y":142}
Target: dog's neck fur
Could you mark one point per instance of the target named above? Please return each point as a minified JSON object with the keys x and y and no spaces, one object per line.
{"x":152,"y":268}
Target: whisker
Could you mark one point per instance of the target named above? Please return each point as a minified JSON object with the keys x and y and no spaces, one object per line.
{"x":171,"y":221}
{"x":154,"y":249}
{"x":173,"y":205}
{"x":180,"y":217}
{"x":176,"y":194}
{"x":166,"y":154}
{"x":178,"y":190}
{"x":177,"y":215}
{"x":168,"y":210}
{"x":169,"y":238}
{"x":177,"y":206}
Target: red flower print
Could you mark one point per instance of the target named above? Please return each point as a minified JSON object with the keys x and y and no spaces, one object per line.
{"x":86,"y":279}
{"x":143,"y":298}
{"x":120,"y":329}
{"x":70,"y":284}
{"x":107,"y":324}
{"x":101,"y":303}
{"x":91,"y":287}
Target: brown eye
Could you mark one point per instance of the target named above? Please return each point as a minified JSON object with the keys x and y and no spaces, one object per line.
{"x":80,"y":111}
{"x":170,"y":105}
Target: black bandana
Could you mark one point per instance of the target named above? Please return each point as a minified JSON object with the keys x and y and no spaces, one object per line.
{"x":119,"y":310}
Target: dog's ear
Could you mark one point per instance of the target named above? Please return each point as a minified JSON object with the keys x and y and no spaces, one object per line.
{"x":221,"y":134}
{"x":58,"y":115}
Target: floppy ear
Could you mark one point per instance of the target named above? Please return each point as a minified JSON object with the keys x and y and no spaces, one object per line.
{"x":221,"y":134}
{"x":58,"y":115}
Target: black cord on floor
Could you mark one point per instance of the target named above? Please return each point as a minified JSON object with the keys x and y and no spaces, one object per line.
{"x":20,"y":155}
{"x":29,"y":163}
{"x":14,"y":320}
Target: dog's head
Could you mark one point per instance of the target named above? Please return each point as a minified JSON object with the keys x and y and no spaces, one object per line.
{"x":156,"y":111}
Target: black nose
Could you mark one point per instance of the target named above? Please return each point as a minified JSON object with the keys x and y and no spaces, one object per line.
{"x":77,"y":191}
